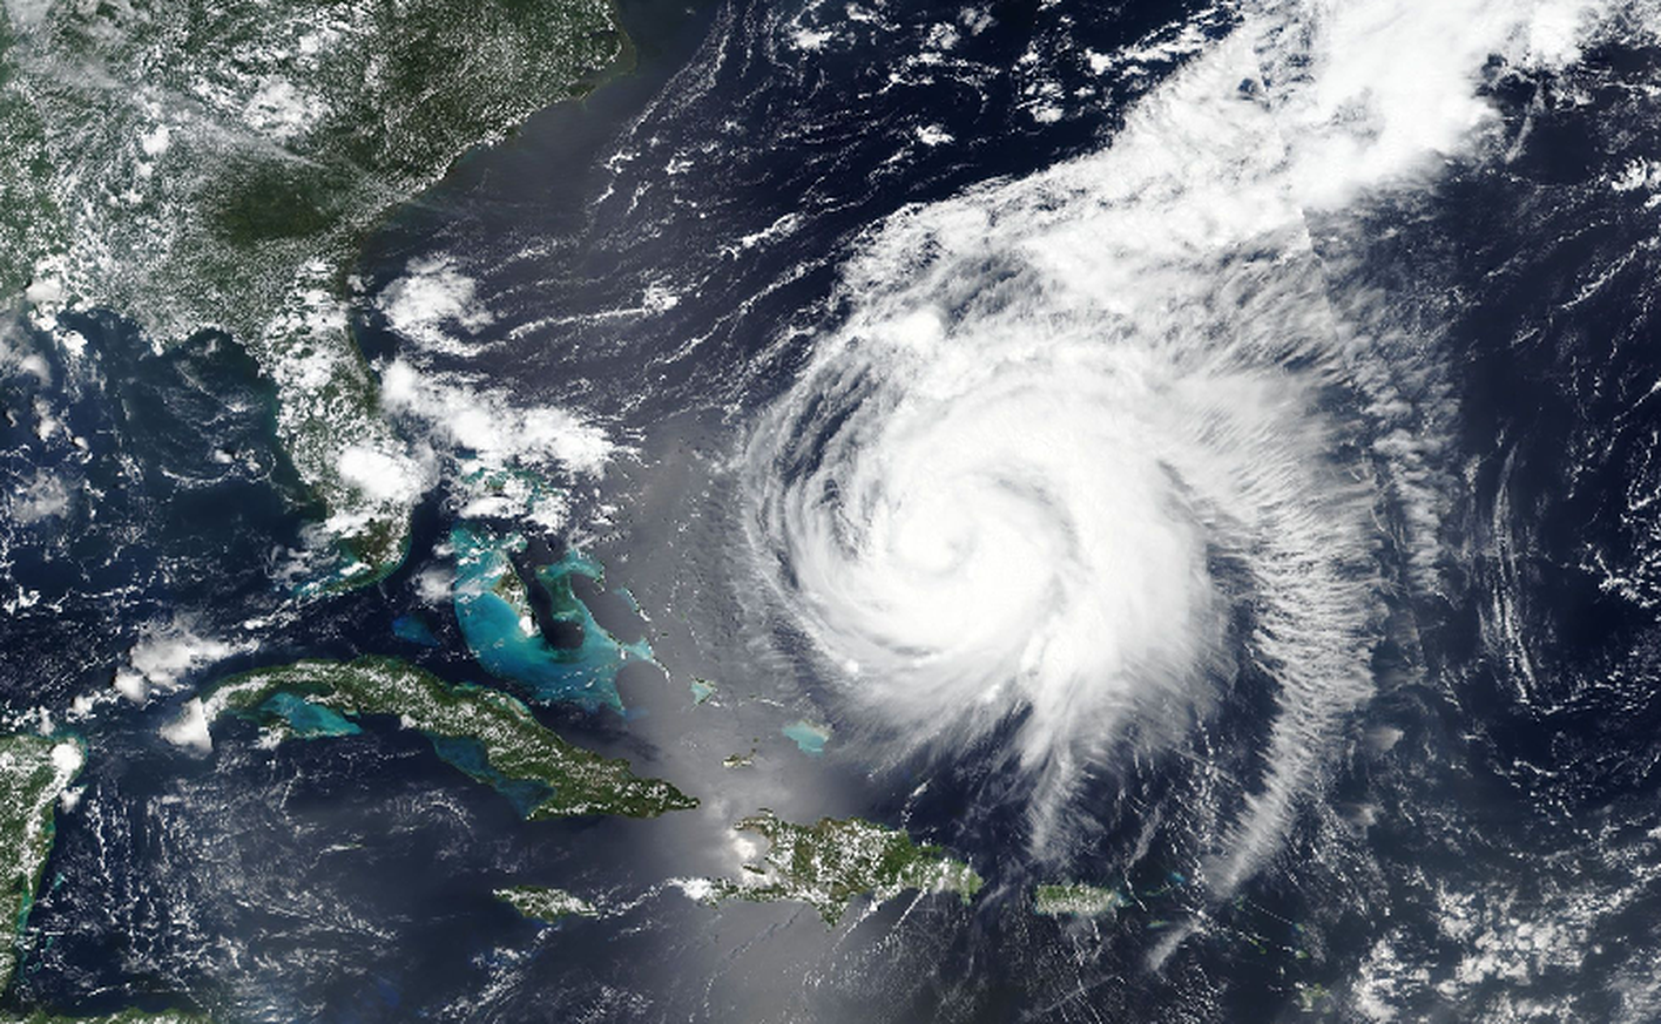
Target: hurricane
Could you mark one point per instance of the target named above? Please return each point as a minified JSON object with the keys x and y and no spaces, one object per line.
{"x":1087,"y":446}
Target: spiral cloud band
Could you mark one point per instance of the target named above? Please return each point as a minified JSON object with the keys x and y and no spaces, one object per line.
{"x":1090,"y":440}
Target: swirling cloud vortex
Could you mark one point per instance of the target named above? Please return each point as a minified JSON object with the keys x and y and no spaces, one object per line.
{"x":1089,"y":439}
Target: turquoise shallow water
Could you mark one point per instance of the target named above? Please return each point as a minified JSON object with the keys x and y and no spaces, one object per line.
{"x":413,"y":629}
{"x":810,"y":738}
{"x":308,"y":720}
{"x":468,"y":755}
{"x":492,"y":607}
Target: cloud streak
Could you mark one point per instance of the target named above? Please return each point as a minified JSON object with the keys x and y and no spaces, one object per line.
{"x":1089,"y":440}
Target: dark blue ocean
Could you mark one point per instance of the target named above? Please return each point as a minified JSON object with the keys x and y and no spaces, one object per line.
{"x":1483,"y":838}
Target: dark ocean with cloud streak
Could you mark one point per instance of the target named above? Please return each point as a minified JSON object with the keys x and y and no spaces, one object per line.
{"x":1204,"y":452}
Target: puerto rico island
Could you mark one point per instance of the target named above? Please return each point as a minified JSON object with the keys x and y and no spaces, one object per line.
{"x":1073,"y":899}
{"x":548,"y":905}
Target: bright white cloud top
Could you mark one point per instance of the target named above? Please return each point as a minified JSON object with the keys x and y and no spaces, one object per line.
{"x":1090,"y":440}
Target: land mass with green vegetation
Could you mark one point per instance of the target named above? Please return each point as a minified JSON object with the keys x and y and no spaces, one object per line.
{"x":1075,"y":899}
{"x":486,"y":733}
{"x":541,"y":903}
{"x":35,"y":771}
{"x":215,"y":167}
{"x":493,"y":607}
{"x":829,"y":864}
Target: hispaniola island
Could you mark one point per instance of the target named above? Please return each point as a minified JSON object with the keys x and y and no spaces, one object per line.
{"x":807,"y":512}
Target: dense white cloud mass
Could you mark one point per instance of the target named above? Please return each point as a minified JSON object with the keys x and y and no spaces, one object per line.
{"x":433,"y":303}
{"x":1079,"y":428}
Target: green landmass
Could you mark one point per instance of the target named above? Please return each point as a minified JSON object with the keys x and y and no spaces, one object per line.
{"x":828,"y":864}
{"x":1075,"y":899}
{"x":541,"y":903}
{"x":34,"y":772}
{"x":512,"y":748}
{"x":199,"y":167}
{"x":493,"y":607}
